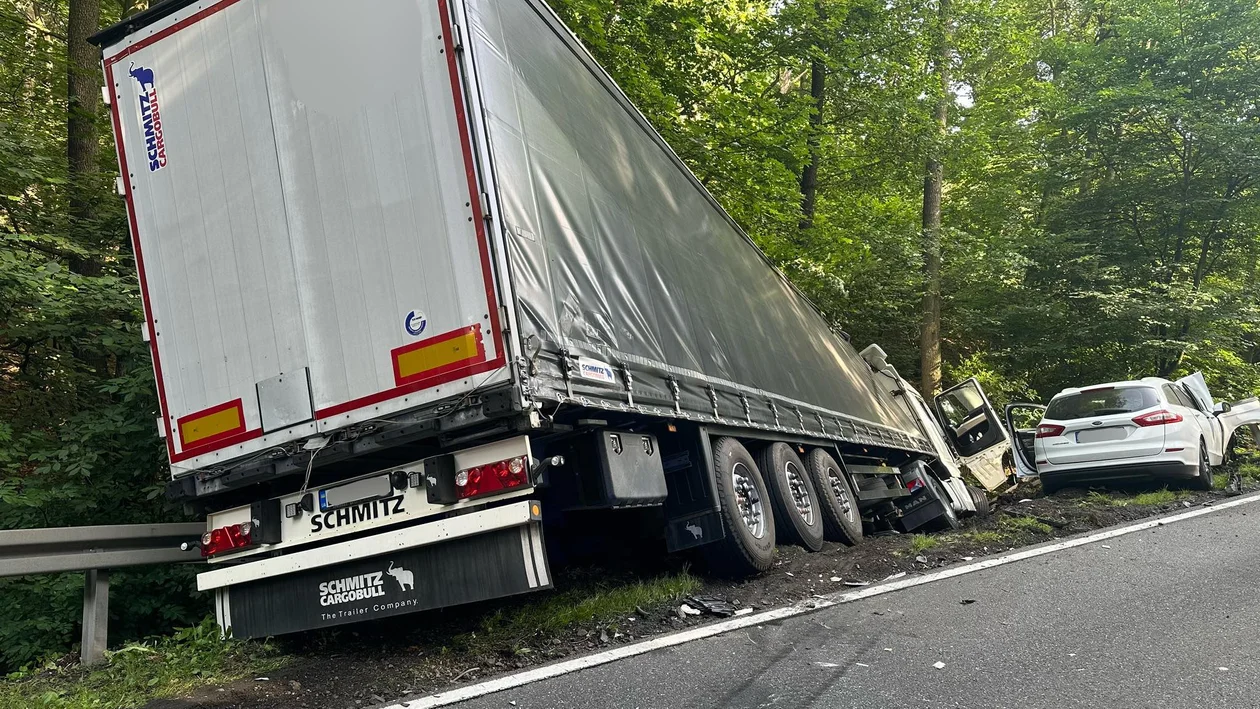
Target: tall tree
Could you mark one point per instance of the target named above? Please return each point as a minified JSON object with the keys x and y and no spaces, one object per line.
{"x":817,"y":94}
{"x":933,"y":186}
{"x":82,"y":134}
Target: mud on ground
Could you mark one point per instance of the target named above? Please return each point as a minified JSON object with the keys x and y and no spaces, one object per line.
{"x":376,"y":663}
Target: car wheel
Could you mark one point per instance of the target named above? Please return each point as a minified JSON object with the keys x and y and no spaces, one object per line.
{"x":748,"y":547}
{"x":796,"y":514}
{"x":841,"y":519}
{"x":1204,"y":481}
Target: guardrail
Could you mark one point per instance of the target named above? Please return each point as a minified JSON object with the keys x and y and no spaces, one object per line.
{"x":95,"y":550}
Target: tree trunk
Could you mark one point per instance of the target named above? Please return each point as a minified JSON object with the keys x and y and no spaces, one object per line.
{"x":933,"y":184}
{"x":817,"y":87}
{"x":82,"y":143}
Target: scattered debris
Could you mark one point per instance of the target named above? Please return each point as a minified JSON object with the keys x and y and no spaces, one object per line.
{"x":835,"y":579}
{"x":262,"y":679}
{"x":857,"y":583}
{"x":743,"y":611}
{"x":895,"y":576}
{"x":968,"y":558}
{"x":1026,"y":500}
{"x":685,"y":610}
{"x":1106,"y":546}
{"x":1186,"y":504}
{"x":887,"y":649}
{"x":603,"y":636}
{"x":789,"y":573}
{"x":295,"y":685}
{"x":939,"y":665}
{"x":860,"y":664}
{"x":967,"y":601}
{"x":1223,"y":669}
{"x":713,"y":604}
{"x":464,"y":674}
{"x":825,"y":664}
{"x":921,"y":559}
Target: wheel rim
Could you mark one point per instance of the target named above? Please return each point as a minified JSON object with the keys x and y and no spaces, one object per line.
{"x":800,"y":494}
{"x":748,"y":500}
{"x":841,"y":492}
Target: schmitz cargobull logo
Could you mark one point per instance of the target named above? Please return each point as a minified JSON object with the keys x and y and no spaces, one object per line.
{"x":150,"y":117}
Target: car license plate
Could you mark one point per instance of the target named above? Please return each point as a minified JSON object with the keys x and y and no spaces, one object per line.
{"x":1099,"y":435}
{"x":357,"y":491}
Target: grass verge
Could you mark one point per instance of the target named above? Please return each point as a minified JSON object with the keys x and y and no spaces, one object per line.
{"x":196,"y":657}
{"x":1162,"y":496}
{"x":514,"y":628}
{"x":137,"y":673}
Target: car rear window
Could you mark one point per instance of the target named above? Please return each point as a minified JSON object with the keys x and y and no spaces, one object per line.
{"x":1101,"y":402}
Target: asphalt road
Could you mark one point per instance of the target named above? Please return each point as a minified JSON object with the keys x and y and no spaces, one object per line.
{"x":1167,"y":617}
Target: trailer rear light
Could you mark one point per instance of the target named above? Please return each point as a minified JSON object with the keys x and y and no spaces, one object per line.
{"x":229,"y":538}
{"x":492,"y":477}
{"x":1049,"y":430}
{"x":1157,"y":418}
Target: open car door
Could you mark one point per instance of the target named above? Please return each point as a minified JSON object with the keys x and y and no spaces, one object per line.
{"x":975,"y":431}
{"x":1021,"y":423}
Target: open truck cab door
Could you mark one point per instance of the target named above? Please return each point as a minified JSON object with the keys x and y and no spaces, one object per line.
{"x":1021,"y":422}
{"x":975,"y":431}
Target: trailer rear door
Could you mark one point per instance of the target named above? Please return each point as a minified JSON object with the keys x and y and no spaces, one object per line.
{"x":306,"y":218}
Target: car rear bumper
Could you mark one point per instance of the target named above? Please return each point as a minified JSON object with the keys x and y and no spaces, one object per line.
{"x":1062,"y":476}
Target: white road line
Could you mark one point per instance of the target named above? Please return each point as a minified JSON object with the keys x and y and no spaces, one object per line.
{"x":602,"y":658}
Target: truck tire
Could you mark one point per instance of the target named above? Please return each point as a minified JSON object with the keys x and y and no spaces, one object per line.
{"x":841,"y":520}
{"x":796,"y":509}
{"x":981,"y":501}
{"x":748,"y":547}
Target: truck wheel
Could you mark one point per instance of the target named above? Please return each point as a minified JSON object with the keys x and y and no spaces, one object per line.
{"x":796,"y":514}
{"x":981,"y":501}
{"x":748,"y":547}
{"x":841,"y":520}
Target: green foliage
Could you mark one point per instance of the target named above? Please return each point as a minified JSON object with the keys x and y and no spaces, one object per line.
{"x":1101,"y":218}
{"x":138,"y":672}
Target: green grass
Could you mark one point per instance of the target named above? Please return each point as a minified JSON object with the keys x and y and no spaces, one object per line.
{"x":513,"y":628}
{"x":984,"y":536}
{"x":196,"y":657}
{"x":920,"y":543}
{"x":137,"y":673}
{"x":1146,"y":499}
{"x":1023,"y":525}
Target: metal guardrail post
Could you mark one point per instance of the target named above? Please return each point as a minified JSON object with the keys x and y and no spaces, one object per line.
{"x":95,"y":615}
{"x":95,"y":550}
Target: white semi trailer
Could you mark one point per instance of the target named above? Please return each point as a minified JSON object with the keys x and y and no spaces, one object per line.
{"x":420,"y":282}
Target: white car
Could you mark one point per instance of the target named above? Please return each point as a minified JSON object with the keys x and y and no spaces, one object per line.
{"x":1152,"y":429}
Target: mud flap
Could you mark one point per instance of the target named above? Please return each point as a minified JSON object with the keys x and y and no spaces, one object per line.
{"x":500,"y":563}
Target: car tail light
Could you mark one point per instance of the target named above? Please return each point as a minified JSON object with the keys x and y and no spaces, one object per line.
{"x":1157,"y":418}
{"x":492,"y":477}
{"x":233,"y":536}
{"x":1049,"y":430}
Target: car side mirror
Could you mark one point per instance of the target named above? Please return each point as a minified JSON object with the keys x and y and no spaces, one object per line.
{"x":1223,"y":408}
